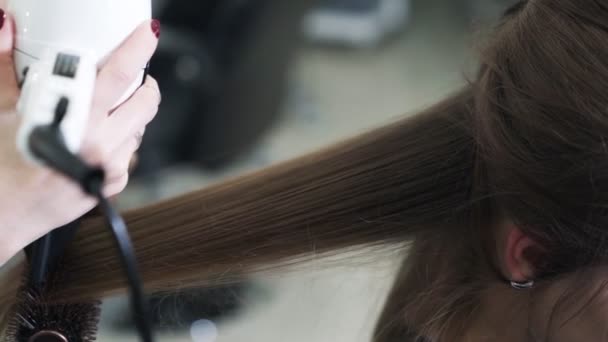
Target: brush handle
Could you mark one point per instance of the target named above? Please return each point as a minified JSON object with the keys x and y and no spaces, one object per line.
{"x":41,"y":252}
{"x":44,"y":254}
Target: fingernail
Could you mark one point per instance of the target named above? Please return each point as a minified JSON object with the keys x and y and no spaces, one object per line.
{"x":156,"y":28}
{"x":2,"y":18}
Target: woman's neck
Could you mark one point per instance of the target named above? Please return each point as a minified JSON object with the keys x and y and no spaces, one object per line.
{"x":503,"y":315}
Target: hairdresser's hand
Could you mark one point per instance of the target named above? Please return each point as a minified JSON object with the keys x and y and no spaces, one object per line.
{"x":36,"y":200}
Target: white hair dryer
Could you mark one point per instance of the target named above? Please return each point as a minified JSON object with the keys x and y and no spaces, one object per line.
{"x":60,"y":44}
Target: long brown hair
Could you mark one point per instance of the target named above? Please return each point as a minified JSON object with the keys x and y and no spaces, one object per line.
{"x":525,"y":140}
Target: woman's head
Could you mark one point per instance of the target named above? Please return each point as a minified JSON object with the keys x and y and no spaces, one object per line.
{"x":541,"y":121}
{"x":540,"y":124}
{"x":539,"y":194}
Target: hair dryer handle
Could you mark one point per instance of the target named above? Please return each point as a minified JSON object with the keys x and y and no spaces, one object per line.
{"x":63,"y":78}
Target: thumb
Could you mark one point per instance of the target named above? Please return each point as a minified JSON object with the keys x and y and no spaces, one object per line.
{"x":9,"y":91}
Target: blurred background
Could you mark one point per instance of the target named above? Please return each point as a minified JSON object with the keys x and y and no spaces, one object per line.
{"x":248,"y":83}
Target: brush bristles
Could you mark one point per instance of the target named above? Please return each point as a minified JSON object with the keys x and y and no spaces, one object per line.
{"x":33,"y":313}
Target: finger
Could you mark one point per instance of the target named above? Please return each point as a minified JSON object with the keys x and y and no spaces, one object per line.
{"x":8,"y":81}
{"x":133,"y":116}
{"x":117,"y":186}
{"x":6,"y":38}
{"x":121,"y":70}
{"x":120,"y":160}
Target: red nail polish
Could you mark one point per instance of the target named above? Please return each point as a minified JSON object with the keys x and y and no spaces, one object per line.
{"x":2,"y":18}
{"x":156,"y":28}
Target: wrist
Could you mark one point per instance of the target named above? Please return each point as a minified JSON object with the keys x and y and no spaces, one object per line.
{"x":10,"y":243}
{"x":20,"y":219}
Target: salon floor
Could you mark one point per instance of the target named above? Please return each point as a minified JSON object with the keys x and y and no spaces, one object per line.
{"x":335,"y":93}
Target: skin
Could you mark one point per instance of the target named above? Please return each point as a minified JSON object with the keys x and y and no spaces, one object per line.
{"x":36,"y":200}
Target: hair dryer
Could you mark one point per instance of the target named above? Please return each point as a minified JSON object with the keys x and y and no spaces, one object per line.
{"x":59,"y":46}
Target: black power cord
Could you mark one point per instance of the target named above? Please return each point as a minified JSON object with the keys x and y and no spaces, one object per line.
{"x":47,"y":144}
{"x":141,"y":314}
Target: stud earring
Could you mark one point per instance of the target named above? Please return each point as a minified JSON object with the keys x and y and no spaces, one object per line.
{"x":522,"y":285}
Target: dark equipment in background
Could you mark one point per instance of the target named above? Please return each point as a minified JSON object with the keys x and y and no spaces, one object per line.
{"x":222,"y":66}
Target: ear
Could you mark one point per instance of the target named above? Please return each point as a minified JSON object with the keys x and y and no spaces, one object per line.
{"x":519,"y":255}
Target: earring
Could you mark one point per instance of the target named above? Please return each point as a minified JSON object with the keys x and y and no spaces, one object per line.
{"x":522,"y":286}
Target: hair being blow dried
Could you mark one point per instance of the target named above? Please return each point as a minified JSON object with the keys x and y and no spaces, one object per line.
{"x":525,"y":142}
{"x":349,"y":195}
